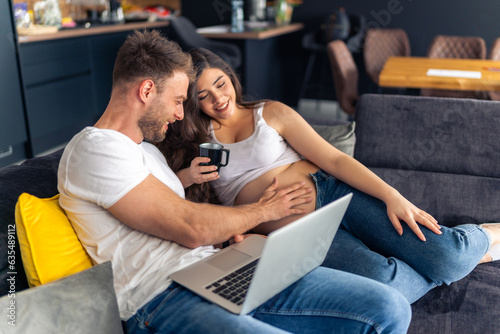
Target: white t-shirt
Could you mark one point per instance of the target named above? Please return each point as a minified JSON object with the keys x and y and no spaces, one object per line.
{"x":97,"y":168}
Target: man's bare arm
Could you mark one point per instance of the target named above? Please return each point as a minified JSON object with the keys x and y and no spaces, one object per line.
{"x":154,"y":208}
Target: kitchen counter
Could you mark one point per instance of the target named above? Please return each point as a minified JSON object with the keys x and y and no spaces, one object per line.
{"x":99,"y":29}
{"x":260,"y":30}
{"x":265,"y":48}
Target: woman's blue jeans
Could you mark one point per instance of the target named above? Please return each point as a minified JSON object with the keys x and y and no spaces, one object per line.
{"x":368,"y":245}
{"x":323,"y":301}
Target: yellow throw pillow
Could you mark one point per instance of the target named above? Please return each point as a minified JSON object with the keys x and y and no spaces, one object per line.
{"x":50,"y":248}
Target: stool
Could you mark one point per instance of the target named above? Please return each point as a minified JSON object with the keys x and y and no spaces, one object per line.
{"x":316,"y":50}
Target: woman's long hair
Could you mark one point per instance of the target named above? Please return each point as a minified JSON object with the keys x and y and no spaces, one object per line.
{"x":181,"y":144}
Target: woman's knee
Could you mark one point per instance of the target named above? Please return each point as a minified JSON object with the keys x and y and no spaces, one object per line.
{"x":394,"y":310}
{"x":455,"y":253}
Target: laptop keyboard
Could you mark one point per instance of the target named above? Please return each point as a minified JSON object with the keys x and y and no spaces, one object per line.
{"x":234,"y":286}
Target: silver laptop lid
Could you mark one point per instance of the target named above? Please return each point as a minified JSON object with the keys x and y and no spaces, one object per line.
{"x":285,"y":256}
{"x":293,"y":251}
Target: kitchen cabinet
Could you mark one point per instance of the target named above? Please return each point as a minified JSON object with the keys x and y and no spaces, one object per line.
{"x":67,"y":81}
{"x":52,"y":86}
{"x":13,"y":134}
{"x":59,"y":90}
{"x":104,"y":49}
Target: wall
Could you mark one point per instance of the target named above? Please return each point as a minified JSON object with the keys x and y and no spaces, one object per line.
{"x":422,"y":19}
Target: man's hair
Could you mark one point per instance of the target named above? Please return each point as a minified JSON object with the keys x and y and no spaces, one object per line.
{"x":149,"y":55}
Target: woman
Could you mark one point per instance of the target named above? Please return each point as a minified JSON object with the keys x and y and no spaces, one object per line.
{"x":269,"y":140}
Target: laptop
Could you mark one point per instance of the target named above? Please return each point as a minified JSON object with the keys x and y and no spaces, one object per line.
{"x":243,"y":276}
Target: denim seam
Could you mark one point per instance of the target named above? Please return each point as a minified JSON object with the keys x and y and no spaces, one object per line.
{"x":318,"y":197}
{"x":349,"y":316}
{"x":487,"y":234}
{"x":173,"y":290}
{"x":473,"y":228}
{"x":319,"y":177}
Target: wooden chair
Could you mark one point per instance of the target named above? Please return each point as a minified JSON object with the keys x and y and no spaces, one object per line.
{"x":345,"y":75}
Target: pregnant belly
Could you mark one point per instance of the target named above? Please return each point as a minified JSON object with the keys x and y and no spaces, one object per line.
{"x":286,"y":175}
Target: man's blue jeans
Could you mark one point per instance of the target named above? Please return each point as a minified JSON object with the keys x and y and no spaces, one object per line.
{"x":368,"y":245}
{"x":323,"y":301}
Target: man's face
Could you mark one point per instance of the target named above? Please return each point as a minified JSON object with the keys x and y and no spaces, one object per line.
{"x":166,"y":108}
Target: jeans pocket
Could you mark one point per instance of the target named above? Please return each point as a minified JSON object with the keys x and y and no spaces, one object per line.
{"x":145,"y":316}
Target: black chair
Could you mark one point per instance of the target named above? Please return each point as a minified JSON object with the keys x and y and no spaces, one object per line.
{"x":183,"y":31}
{"x":315,"y":43}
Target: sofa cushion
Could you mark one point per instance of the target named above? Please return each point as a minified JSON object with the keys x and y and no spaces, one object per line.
{"x":445,"y":135}
{"x":50,"y":248}
{"x":37,"y":176}
{"x":443,"y":155}
{"x":80,"y":303}
{"x":451,"y":198}
{"x":467,"y":306}
{"x":440,"y":153}
{"x":341,"y":136}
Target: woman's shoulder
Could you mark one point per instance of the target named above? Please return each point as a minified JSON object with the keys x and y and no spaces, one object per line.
{"x":277,"y":110}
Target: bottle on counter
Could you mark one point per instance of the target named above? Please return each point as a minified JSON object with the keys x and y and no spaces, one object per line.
{"x":237,"y":17}
{"x":48,"y":13}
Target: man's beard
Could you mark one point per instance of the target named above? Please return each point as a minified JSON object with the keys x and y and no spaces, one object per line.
{"x":151,"y":125}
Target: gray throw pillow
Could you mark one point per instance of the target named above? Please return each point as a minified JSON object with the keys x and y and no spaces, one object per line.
{"x":80,"y":303}
{"x":341,"y":136}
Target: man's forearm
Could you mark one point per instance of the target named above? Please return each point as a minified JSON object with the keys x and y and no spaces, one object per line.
{"x":213,"y":224}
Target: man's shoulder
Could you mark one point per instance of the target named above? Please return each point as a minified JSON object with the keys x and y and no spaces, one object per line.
{"x":100,"y":166}
{"x":93,"y":134}
{"x":94,"y":141}
{"x":95,"y":150}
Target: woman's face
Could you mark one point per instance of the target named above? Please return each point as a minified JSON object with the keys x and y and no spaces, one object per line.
{"x":216,"y":95}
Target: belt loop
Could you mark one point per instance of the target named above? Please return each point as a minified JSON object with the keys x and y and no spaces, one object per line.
{"x":318,"y":195}
{"x":314,"y":177}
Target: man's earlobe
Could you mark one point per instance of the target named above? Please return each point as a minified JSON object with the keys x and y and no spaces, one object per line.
{"x":145,"y":89}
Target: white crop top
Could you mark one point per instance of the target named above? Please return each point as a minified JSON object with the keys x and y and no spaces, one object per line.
{"x":264,"y":150}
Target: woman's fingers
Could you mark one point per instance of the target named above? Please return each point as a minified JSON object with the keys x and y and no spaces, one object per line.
{"x":413,"y":221}
{"x":428,"y":221}
{"x":396,"y":223}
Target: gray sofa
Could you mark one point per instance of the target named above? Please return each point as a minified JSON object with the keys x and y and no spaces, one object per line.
{"x":443,"y":154}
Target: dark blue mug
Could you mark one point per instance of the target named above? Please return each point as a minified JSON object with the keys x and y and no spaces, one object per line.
{"x":215,"y":152}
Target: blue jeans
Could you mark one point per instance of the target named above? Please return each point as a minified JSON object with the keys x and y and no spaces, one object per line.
{"x":323,"y":301}
{"x":368,"y":245}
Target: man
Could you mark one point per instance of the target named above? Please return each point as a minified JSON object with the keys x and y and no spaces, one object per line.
{"x":128,"y":207}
